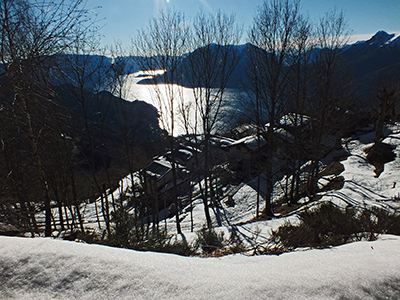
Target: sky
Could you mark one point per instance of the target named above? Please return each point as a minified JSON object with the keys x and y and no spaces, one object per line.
{"x":120,"y":19}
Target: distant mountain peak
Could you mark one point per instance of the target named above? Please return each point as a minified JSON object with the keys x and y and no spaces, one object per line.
{"x":380,"y":38}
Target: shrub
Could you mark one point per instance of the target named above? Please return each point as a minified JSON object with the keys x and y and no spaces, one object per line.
{"x":178,"y":247}
{"x":123,"y":225}
{"x":235,"y":244}
{"x":214,"y":244}
{"x":329,"y":225}
{"x":160,"y":241}
{"x":387,"y":223}
{"x":209,"y":240}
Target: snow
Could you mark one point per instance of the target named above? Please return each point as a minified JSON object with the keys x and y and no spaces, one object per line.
{"x":361,"y":187}
{"x":51,"y":269}
{"x":293,"y":120}
{"x":252,"y":142}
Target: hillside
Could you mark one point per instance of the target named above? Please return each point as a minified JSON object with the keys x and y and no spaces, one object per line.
{"x":81,"y":140}
{"x":47,"y":269}
{"x":359,"y":188}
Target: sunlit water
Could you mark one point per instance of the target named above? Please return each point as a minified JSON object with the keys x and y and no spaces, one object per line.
{"x":183,"y":104}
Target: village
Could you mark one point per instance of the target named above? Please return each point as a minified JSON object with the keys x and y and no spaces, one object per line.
{"x":237,"y":163}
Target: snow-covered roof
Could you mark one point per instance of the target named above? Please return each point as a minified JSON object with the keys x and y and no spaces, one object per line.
{"x":223,"y":141}
{"x":185,"y":153}
{"x":158,"y":168}
{"x":251,"y":142}
{"x":244,"y":129}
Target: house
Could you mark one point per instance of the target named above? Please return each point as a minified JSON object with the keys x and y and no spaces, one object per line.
{"x":159,"y":177}
{"x":290,"y":127}
{"x":159,"y":171}
{"x":183,"y":155}
{"x":242,"y":153}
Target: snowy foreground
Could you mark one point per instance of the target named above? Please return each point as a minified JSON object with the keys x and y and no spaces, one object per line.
{"x":52,"y":269}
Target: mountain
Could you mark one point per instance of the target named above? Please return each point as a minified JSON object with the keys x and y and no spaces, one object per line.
{"x":368,"y":61}
{"x":380,"y":38}
{"x":374,"y":60}
{"x":92,"y":70}
{"x":191,"y":63}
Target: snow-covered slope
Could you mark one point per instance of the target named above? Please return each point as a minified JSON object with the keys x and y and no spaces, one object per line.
{"x":52,"y":269}
{"x":361,"y":188}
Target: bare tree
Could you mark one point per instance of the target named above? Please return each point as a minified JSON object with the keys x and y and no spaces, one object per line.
{"x":208,"y":70}
{"x":160,"y":46}
{"x":85,"y":69}
{"x":274,"y":33}
{"x":129,"y":125}
{"x":300,"y":78}
{"x":331,"y":87}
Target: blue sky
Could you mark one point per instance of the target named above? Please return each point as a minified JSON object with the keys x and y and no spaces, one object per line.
{"x":120,"y":19}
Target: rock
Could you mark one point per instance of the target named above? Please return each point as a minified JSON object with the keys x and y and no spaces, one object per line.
{"x":380,"y":154}
{"x":230,"y":202}
{"x":334,"y":168}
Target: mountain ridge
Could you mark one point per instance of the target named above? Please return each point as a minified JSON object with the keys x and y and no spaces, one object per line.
{"x":368,"y":61}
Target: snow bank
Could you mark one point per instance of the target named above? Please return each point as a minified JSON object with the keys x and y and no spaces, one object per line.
{"x":51,"y":269}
